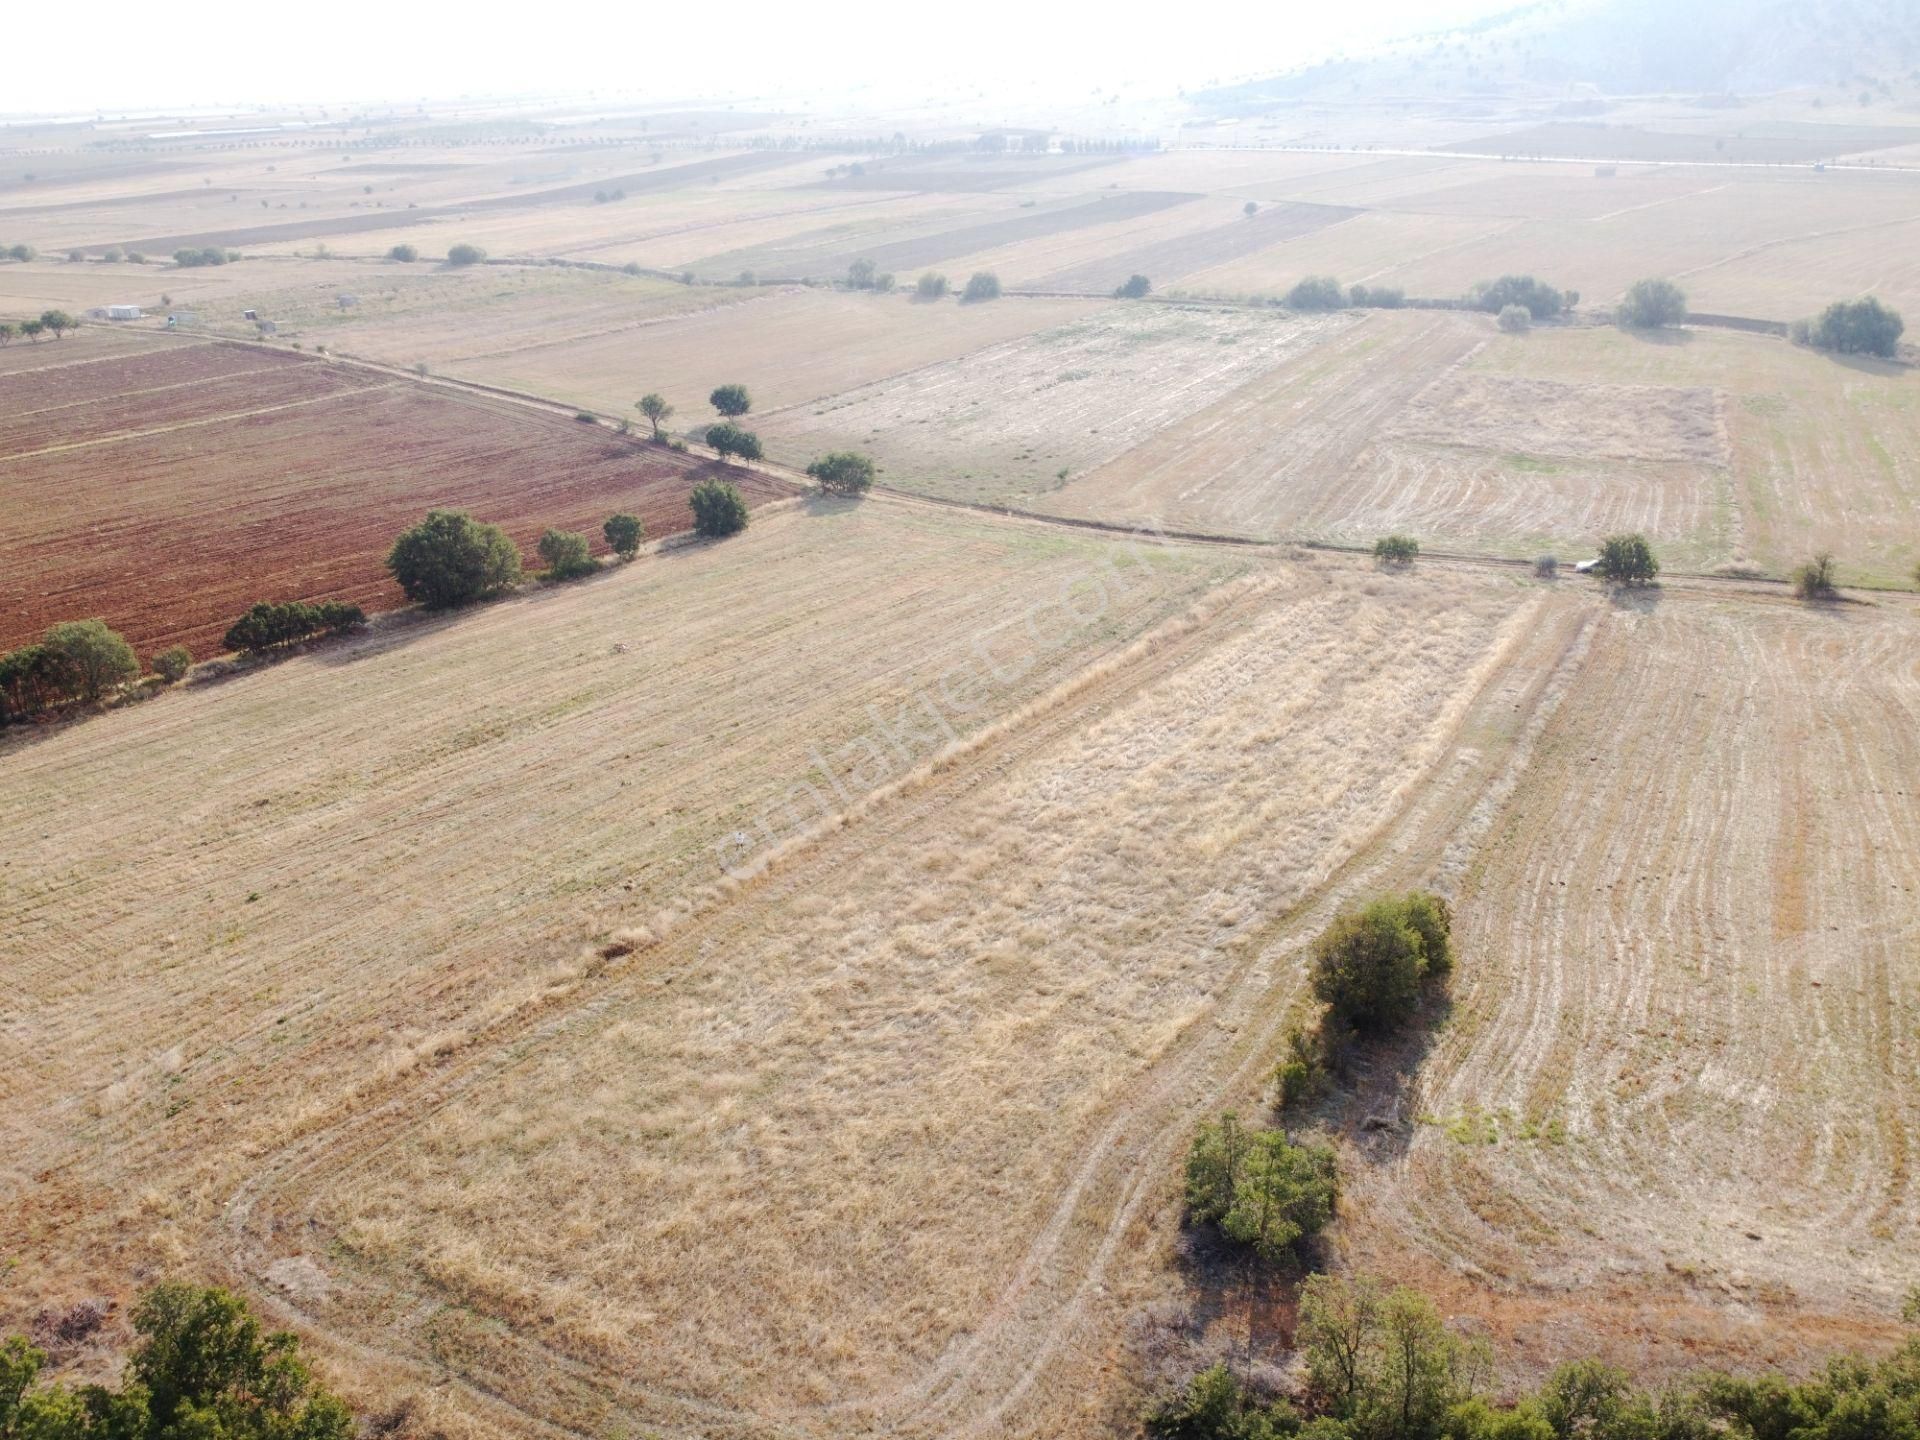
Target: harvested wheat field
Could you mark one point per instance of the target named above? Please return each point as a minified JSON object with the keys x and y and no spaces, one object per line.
{"x":167,"y":491}
{"x":1672,"y":1117}
{"x":1016,"y":420}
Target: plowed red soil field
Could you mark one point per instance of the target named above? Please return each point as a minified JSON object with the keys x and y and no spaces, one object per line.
{"x":167,"y":491}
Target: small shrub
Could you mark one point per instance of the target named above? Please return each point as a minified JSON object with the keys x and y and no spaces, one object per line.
{"x":406,"y":254}
{"x":586,"y":417}
{"x":565,"y":555}
{"x":930,"y":286}
{"x":452,"y":559}
{"x":1515,"y":319}
{"x":981,"y":285}
{"x":1627,"y":560}
{"x":173,"y":663}
{"x":1396,"y":550}
{"x":1304,"y":1067}
{"x":1316,"y":292}
{"x":717,"y":509}
{"x":268,"y":625}
{"x":465,"y":254}
{"x":1651,"y":304}
{"x":1546,"y":567}
{"x":623,"y":534}
{"x":1137,"y":287}
{"x":843,"y":472}
{"x":1815,"y":580}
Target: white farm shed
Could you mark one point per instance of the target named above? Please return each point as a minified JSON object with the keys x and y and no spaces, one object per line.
{"x":124,"y":312}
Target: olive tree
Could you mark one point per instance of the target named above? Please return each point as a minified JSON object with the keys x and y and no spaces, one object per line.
{"x":452,"y":559}
{"x":717,"y":509}
{"x":732,"y":401}
{"x":981,"y":285}
{"x":843,"y":472}
{"x":565,"y":555}
{"x":623,"y":534}
{"x":1651,"y":304}
{"x":656,"y":409}
{"x":93,"y":659}
{"x":729,"y":441}
{"x":930,"y":286}
{"x":1369,"y":966}
{"x":1627,"y":560}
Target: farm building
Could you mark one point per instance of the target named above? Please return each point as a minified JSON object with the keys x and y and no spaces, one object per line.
{"x":124,"y":312}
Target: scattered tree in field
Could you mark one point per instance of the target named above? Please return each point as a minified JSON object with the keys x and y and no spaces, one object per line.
{"x":1258,"y":1188}
{"x":1315,"y":292}
{"x":1250,"y":209}
{"x":112,"y":255}
{"x":1651,"y":304}
{"x":1853,"y":327}
{"x":1370,"y":964}
{"x":1816,"y":580}
{"x":1627,"y":560}
{"x":656,"y":409}
{"x":1546,"y":567}
{"x":406,"y":254}
{"x":1515,"y":319}
{"x":565,"y":555}
{"x":268,"y":625}
{"x":6,"y":334}
{"x":173,"y":663}
{"x":1137,"y":287}
{"x":623,"y":534}
{"x":208,"y":255}
{"x":1378,"y":297}
{"x":1542,"y":301}
{"x":861,"y":274}
{"x":732,"y":401}
{"x":843,"y":472}
{"x":717,"y":509}
{"x":452,"y":559}
{"x":76,"y":257}
{"x":32,"y":679}
{"x":930,"y":286}
{"x":981,"y":285}
{"x":1396,"y":550}
{"x":1382,"y":1363}
{"x":32,"y":329}
{"x":465,"y":254}
{"x":729,"y":441}
{"x":22,"y":252}
{"x":94,"y":659}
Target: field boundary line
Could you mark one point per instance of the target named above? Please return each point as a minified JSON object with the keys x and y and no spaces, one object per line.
{"x":124,"y":435}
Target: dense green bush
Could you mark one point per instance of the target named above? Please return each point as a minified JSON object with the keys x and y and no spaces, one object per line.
{"x":930,"y":286}
{"x":173,"y":663}
{"x":1137,"y":287}
{"x":1258,"y":1188}
{"x":624,"y":533}
{"x":1213,"y":1405}
{"x":1378,"y":297}
{"x":1541,"y":300}
{"x":1514,"y":319}
{"x":729,"y":440}
{"x":1854,"y":327}
{"x":1627,"y":560}
{"x":732,"y":401}
{"x":718,"y":509}
{"x":465,"y":254}
{"x":1370,"y":964}
{"x":981,"y":285}
{"x":406,"y":254}
{"x":1316,"y":292}
{"x":90,"y":659}
{"x":452,"y":559}
{"x":268,"y":625}
{"x":201,"y":1369}
{"x":209,"y":255}
{"x":1816,"y":580}
{"x":843,"y":472}
{"x":565,"y":555}
{"x":1650,"y":304}
{"x":1396,"y":549}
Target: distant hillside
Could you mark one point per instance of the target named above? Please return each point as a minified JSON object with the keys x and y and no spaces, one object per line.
{"x":1631,"y":47}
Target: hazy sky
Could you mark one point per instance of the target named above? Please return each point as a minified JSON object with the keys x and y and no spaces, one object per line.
{"x":112,"y":54}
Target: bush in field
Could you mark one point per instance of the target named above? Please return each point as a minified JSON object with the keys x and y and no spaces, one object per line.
{"x":1214,"y":1405}
{"x":1816,"y":580}
{"x":1627,"y":560}
{"x":1396,"y":549}
{"x":1515,"y":319}
{"x":452,"y":559}
{"x":656,"y":409}
{"x":1546,"y":567}
{"x":268,"y":625}
{"x":1305,"y":1067}
{"x":732,"y":401}
{"x":1137,"y":287}
{"x":860,"y":274}
{"x":930,"y":286}
{"x":173,"y":663}
{"x":565,"y":555}
{"x":1542,"y":301}
{"x":1853,"y":327}
{"x":1378,"y":297}
{"x":1258,"y":1188}
{"x":406,"y":254}
{"x":7,"y":332}
{"x":623,"y":534}
{"x":1316,"y":292}
{"x":729,"y":441}
{"x":95,"y":660}
{"x":717,"y":509}
{"x":22,"y":253}
{"x":981,"y":285}
{"x":465,"y":254}
{"x":1370,"y":964}
{"x":1650,"y":304}
{"x":843,"y":472}
{"x":209,"y":255}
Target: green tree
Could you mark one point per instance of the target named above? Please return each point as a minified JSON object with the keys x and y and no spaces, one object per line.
{"x":1316,"y":292}
{"x":465,"y":254}
{"x":23,"y":252}
{"x":565,"y":555}
{"x":860,"y":274}
{"x":656,"y":409}
{"x":59,"y":322}
{"x":1627,"y":560}
{"x":6,"y":334}
{"x":1250,"y":209}
{"x":452,"y":559}
{"x":1816,"y":580}
{"x":1396,"y":549}
{"x":717,"y":508}
{"x":930,"y":286}
{"x":1651,"y":304}
{"x":1541,"y":300}
{"x":1213,"y":1405}
{"x":623,"y":534}
{"x":729,"y":440}
{"x":1369,"y":964}
{"x":32,"y":678}
{"x":173,"y":663}
{"x":406,"y":254}
{"x":94,"y":659}
{"x":32,"y":329}
{"x":1856,"y":327}
{"x":732,"y":401}
{"x":1136,"y":287}
{"x":1213,"y":1161}
{"x":981,"y":285}
{"x":268,"y":625}
{"x":1338,"y":1333}
{"x":1282,"y":1194}
{"x":843,"y":472}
